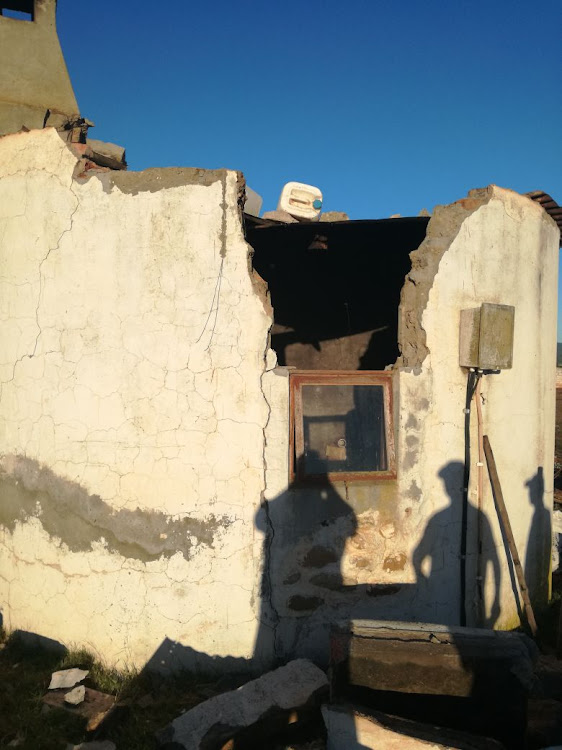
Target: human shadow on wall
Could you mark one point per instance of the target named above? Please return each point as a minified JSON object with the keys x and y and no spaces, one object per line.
{"x":302,"y":590}
{"x":305,"y":589}
{"x":436,"y":559}
{"x":539,"y":542}
{"x":293,"y":586}
{"x":482,"y":693}
{"x":301,"y":559}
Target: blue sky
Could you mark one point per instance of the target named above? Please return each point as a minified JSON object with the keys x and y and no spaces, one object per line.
{"x":389,"y":107}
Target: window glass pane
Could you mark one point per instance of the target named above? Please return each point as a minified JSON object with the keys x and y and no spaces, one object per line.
{"x":343,"y":428}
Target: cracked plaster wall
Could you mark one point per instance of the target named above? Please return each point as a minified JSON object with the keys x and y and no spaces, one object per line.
{"x":132,"y":349}
{"x":361,"y":556}
{"x":494,"y":246}
{"x":133,"y":368}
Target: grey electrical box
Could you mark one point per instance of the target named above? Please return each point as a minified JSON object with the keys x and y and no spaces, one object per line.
{"x":486,"y":337}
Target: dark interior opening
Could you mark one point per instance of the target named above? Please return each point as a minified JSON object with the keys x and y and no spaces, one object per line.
{"x":335,"y":288}
{"x":22,"y":10}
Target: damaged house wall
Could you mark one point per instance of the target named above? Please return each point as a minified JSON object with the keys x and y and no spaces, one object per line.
{"x":391,"y":549}
{"x":335,"y":288}
{"x":493,"y":246}
{"x":133,"y":341}
{"x":144,"y":420}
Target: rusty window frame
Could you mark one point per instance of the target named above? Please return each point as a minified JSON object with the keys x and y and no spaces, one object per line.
{"x":297,"y":379}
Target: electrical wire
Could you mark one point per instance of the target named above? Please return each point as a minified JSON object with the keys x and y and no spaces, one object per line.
{"x":472,"y":382}
{"x":480,"y":485}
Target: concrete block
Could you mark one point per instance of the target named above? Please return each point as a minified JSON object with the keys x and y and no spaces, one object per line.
{"x":432,"y":659}
{"x":218,"y":720}
{"x":334,"y":216}
{"x":111,"y":150}
{"x":106,"y":154}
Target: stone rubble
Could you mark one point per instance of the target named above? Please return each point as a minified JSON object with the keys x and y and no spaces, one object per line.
{"x":76,"y":696}
{"x":67,"y":678}
{"x":218,"y":720}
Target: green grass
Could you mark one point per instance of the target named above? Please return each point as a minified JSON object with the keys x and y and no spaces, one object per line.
{"x":24,"y":676}
{"x":102,"y":678}
{"x":25,"y":673}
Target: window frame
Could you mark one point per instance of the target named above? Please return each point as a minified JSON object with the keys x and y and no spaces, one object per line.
{"x":297,"y":379}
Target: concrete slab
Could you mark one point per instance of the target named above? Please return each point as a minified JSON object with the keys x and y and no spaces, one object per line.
{"x":431,"y":659}
{"x":352,"y":729}
{"x":216,"y":721}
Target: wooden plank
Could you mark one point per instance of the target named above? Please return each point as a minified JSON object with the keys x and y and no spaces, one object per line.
{"x":504,"y":520}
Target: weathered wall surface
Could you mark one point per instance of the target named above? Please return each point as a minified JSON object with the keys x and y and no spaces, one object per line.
{"x":33,"y":74}
{"x":391,"y":550}
{"x":505,"y":251}
{"x":132,"y":346}
{"x":141,"y":416}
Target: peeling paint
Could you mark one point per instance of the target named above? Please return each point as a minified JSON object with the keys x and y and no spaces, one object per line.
{"x":442,"y":229}
{"x":67,"y":512}
{"x":132,"y":432}
{"x":414,"y":492}
{"x":141,"y":412}
{"x":157,"y":178}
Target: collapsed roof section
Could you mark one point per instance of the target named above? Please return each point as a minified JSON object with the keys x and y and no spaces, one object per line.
{"x":335,"y":288}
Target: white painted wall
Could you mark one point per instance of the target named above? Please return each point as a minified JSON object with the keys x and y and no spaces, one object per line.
{"x":140,"y":414}
{"x":132,"y":347}
{"x":497,"y":247}
{"x":506,"y":252}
